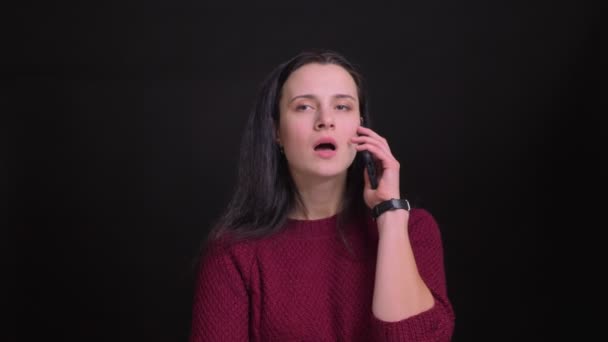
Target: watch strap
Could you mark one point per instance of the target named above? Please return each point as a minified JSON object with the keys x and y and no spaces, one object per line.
{"x":392,"y":204}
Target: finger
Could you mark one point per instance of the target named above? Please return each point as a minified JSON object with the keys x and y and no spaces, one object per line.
{"x":369,"y":132}
{"x":373,"y":141}
{"x":386,"y":159}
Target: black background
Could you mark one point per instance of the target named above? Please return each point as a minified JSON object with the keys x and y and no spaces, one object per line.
{"x":134,"y":113}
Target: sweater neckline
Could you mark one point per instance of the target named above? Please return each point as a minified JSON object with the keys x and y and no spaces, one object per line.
{"x":320,"y":227}
{"x":324,"y":227}
{"x":322,"y":220}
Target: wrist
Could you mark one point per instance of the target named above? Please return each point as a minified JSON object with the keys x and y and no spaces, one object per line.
{"x":393,"y":224}
{"x":393,"y":216}
{"x":391,"y":205}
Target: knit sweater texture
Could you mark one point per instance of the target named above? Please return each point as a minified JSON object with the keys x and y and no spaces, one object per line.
{"x":303,"y":284}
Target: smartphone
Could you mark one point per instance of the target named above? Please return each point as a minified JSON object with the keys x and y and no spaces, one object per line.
{"x":370,"y":165}
{"x":371,"y":168}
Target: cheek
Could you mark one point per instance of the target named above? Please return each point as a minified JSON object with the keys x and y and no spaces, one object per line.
{"x":293,"y":135}
{"x":351,"y":128}
{"x":352,"y":151}
{"x":350,"y":155}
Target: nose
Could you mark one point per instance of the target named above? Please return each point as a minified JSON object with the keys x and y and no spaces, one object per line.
{"x":324,"y":120}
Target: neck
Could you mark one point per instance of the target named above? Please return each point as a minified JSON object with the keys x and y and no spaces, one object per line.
{"x":321,"y":198}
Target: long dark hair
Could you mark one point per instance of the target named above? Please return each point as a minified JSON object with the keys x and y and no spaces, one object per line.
{"x":265,"y":192}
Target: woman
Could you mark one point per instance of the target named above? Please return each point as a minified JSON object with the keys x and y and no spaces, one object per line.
{"x":298,"y":254}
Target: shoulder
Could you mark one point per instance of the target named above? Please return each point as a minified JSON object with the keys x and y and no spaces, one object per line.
{"x":421,"y":216}
{"x":227,"y":246}
{"x":226,"y":253}
{"x":224,"y":266}
{"x":423,"y":225}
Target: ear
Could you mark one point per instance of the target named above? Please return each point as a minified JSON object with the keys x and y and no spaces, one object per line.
{"x":277,"y":134}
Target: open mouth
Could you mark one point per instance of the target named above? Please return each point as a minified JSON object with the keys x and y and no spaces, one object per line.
{"x":325,"y":146}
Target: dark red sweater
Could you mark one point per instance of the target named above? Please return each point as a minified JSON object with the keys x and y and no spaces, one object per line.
{"x":303,"y":285}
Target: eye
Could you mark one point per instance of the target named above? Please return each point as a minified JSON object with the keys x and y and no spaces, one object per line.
{"x":303,"y":107}
{"x":343,"y":107}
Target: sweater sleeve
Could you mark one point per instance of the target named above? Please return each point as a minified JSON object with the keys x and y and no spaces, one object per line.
{"x":437,"y":323}
{"x":220,"y":305}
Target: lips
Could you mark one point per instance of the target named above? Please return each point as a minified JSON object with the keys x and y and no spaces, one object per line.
{"x":325,"y":144}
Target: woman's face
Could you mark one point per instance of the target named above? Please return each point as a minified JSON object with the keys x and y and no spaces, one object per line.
{"x":318,"y":104}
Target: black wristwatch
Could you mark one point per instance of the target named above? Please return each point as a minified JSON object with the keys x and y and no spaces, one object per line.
{"x":391,"y":204}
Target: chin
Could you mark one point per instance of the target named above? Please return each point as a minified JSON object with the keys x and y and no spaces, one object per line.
{"x":329,"y":172}
{"x":325,"y":169}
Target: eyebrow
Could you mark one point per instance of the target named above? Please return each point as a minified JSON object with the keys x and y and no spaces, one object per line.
{"x":312,"y":97}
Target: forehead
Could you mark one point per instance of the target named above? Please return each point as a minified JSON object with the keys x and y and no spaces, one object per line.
{"x":320,"y":79}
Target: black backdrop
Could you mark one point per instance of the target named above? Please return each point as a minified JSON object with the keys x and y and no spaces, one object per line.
{"x":138,"y":112}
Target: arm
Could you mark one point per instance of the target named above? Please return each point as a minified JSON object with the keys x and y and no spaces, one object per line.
{"x":409,"y":299}
{"x":399,"y":291}
{"x":422,"y":311}
{"x":220,"y":308}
